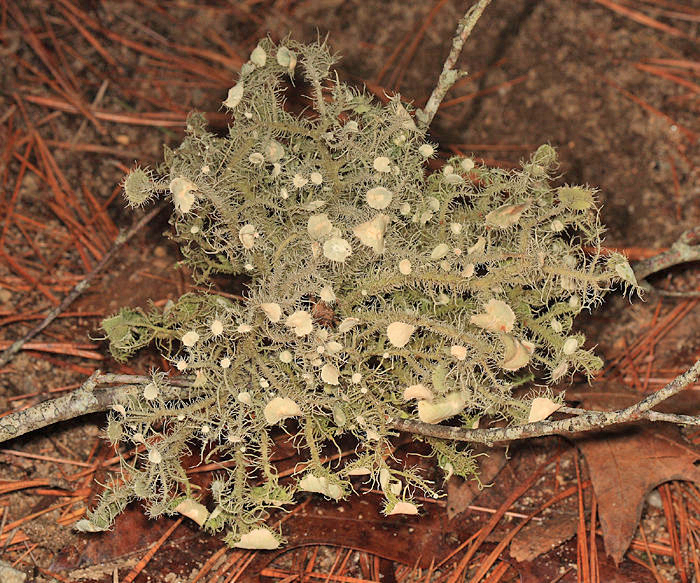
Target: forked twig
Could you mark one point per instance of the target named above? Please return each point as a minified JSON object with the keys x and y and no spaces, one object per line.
{"x":685,"y":250}
{"x":91,"y":398}
{"x":581,"y":422}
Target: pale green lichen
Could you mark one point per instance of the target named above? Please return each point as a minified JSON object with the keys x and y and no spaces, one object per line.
{"x":139,"y":187}
{"x":374,"y":290}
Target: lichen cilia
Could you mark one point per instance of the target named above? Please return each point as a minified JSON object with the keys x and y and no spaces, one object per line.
{"x":375,"y":291}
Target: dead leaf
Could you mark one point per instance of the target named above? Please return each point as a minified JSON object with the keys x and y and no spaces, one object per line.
{"x":560,"y":565}
{"x":625,"y":464}
{"x":133,"y":533}
{"x":357,"y":523}
{"x":461,"y":493}
{"x":538,"y":538}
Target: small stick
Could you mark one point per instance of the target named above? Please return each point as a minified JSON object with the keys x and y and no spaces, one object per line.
{"x":80,"y":287}
{"x":588,"y":421}
{"x":88,"y":398}
{"x":684,"y":250}
{"x":449,"y":75}
{"x":91,"y":399}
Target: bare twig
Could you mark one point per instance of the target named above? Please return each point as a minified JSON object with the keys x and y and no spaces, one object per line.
{"x":684,"y":250}
{"x":91,"y":399}
{"x":648,"y":415}
{"x":119,"y":242}
{"x":449,"y":75}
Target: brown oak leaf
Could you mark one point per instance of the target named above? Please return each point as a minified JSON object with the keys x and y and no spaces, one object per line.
{"x":625,"y":464}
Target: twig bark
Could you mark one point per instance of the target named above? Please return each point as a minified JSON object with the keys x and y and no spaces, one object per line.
{"x":684,"y":250}
{"x":449,"y":75}
{"x":587,"y":421}
{"x":91,"y":399}
{"x":80,"y":287}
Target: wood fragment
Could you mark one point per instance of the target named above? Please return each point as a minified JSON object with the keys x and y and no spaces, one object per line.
{"x":449,"y":75}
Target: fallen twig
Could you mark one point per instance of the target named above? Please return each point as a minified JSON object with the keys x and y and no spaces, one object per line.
{"x":88,"y":398}
{"x":449,"y":75}
{"x":586,"y":421}
{"x":684,"y":250}
{"x":80,"y":287}
{"x":91,"y":399}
